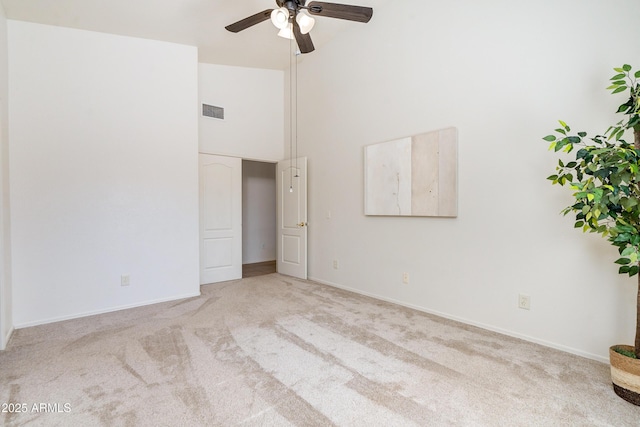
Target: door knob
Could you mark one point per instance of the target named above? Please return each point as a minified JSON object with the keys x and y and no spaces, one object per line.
{"x":302,"y":224}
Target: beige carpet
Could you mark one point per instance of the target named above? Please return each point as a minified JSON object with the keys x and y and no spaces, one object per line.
{"x":274,"y":351}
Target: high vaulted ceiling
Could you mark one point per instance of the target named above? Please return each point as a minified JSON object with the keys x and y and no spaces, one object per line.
{"x":193,"y":22}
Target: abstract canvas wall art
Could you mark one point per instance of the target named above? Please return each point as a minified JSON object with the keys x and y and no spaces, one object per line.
{"x":413,"y":176}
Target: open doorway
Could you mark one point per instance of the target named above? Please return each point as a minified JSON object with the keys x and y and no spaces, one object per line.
{"x":258,"y":218}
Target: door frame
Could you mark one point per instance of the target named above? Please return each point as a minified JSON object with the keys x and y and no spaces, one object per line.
{"x":271,"y":161}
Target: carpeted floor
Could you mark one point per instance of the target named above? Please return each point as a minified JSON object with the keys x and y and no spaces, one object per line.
{"x":275,"y":351}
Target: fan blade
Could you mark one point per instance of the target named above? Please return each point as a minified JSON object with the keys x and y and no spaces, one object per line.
{"x":250,"y":21}
{"x":304,"y":40}
{"x":340,"y":11}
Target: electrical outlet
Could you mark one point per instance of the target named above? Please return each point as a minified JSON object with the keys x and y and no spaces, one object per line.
{"x":124,"y":280}
{"x":524,"y":302}
{"x":335,"y":264}
{"x":405,"y":278}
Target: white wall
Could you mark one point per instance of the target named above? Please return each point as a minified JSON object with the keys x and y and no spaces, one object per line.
{"x":502,"y":72}
{"x":6,"y":322}
{"x":253,"y":102}
{"x":104,"y":164}
{"x":258,"y":212}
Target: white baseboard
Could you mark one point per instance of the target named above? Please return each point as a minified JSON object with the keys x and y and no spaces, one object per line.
{"x":470,"y":322}
{"x":107,"y":310}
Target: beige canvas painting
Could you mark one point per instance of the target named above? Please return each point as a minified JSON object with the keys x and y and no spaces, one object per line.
{"x":413,"y":176}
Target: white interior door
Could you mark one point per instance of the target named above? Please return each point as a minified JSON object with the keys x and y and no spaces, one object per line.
{"x":220,"y":218}
{"x":292,"y":217}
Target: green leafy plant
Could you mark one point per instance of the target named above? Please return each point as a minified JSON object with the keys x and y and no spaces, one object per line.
{"x":624,"y":352}
{"x":605,"y":178}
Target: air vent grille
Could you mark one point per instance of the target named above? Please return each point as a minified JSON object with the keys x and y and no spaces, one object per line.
{"x":213,"y":111}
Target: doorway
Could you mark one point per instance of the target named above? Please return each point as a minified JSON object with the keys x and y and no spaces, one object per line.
{"x":258,"y":218}
{"x":252,"y":213}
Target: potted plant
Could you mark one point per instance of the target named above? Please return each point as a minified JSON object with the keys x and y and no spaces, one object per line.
{"x":605,"y":177}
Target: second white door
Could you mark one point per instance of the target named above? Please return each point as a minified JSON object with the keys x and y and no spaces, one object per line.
{"x":292,"y":217}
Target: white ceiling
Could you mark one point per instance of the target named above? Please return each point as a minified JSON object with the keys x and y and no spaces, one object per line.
{"x":193,"y":22}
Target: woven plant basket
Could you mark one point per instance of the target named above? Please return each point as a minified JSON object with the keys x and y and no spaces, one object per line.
{"x":625,"y":374}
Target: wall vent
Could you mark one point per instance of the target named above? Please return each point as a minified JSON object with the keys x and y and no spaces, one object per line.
{"x":213,"y":111}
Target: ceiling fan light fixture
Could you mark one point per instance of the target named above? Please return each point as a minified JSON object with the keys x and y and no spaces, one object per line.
{"x":287,"y":32}
{"x":287,"y":10}
{"x":280,"y":17}
{"x":305,"y":21}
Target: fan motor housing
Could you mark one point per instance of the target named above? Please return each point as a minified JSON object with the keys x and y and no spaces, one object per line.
{"x":296,"y":3}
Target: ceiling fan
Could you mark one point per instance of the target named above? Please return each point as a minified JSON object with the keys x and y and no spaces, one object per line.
{"x":293,"y":21}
